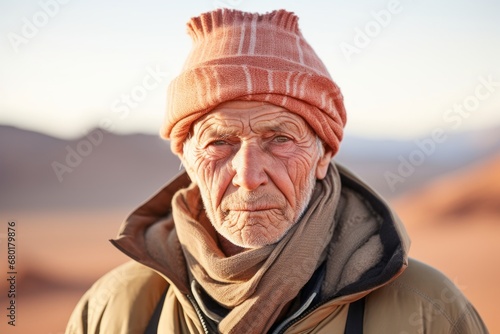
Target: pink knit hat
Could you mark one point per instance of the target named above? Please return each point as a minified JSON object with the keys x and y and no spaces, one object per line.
{"x":259,"y":57}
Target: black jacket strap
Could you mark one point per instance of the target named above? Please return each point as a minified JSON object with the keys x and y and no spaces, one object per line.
{"x":354,"y":323}
{"x":155,"y":318}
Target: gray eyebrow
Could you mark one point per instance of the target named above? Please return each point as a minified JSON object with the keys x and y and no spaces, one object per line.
{"x":279,"y":127}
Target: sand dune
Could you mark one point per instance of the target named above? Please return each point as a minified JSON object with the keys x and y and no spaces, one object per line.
{"x":454,"y":224}
{"x":59,"y":255}
{"x":461,"y":196}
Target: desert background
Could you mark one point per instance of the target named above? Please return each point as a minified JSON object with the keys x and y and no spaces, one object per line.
{"x":450,"y":205}
{"x":83,"y":95}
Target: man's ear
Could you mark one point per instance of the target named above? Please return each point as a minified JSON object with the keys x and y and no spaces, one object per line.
{"x":324,"y":162}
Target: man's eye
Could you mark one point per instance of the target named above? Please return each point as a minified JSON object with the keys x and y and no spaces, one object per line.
{"x":281,"y":139}
{"x":218,"y":142}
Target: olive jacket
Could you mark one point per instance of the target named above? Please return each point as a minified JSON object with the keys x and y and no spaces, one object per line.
{"x":401,"y":295}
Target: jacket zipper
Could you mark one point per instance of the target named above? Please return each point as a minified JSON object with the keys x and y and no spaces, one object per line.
{"x":203,"y":322}
{"x":199,"y":314}
{"x":300,"y":317}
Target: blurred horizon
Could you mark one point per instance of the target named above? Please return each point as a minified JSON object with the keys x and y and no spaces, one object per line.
{"x":405,"y":68}
{"x":152,"y":132}
{"x":67,"y":170}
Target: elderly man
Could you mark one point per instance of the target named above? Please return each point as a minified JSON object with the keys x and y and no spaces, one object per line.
{"x":262,"y":233}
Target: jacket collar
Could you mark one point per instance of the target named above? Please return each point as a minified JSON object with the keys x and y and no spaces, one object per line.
{"x":131,"y":238}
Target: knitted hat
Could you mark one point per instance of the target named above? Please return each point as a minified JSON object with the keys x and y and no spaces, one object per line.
{"x":259,"y":57}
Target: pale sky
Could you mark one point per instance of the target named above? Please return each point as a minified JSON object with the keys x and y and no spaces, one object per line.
{"x":405,"y":67}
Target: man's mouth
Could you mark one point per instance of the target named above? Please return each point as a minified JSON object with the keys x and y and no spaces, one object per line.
{"x":253,"y":209}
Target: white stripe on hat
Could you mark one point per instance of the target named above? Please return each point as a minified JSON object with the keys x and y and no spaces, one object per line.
{"x":208,"y":90}
{"x":242,"y":39}
{"x":253,"y":36}
{"x":199,"y":95}
{"x":217,"y":86}
{"x":299,"y":48}
{"x":270,"y":80}
{"x":323,"y":101}
{"x":287,"y":82}
{"x":248,"y":79}
{"x":294,"y":84}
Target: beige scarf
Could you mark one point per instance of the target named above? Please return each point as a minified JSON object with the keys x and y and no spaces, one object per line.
{"x":258,"y":283}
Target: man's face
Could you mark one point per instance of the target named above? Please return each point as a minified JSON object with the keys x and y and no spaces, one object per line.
{"x":256,"y":165}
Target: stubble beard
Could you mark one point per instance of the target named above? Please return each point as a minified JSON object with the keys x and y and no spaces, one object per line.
{"x":301,"y":205}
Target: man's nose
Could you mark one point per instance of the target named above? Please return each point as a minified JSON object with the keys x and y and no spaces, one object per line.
{"x":249,"y":166}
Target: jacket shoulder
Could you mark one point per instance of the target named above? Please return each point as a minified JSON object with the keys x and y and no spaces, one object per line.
{"x":121,"y":301}
{"x":425,"y":301}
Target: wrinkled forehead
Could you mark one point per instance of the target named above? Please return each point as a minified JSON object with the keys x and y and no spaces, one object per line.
{"x":233,"y":116}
